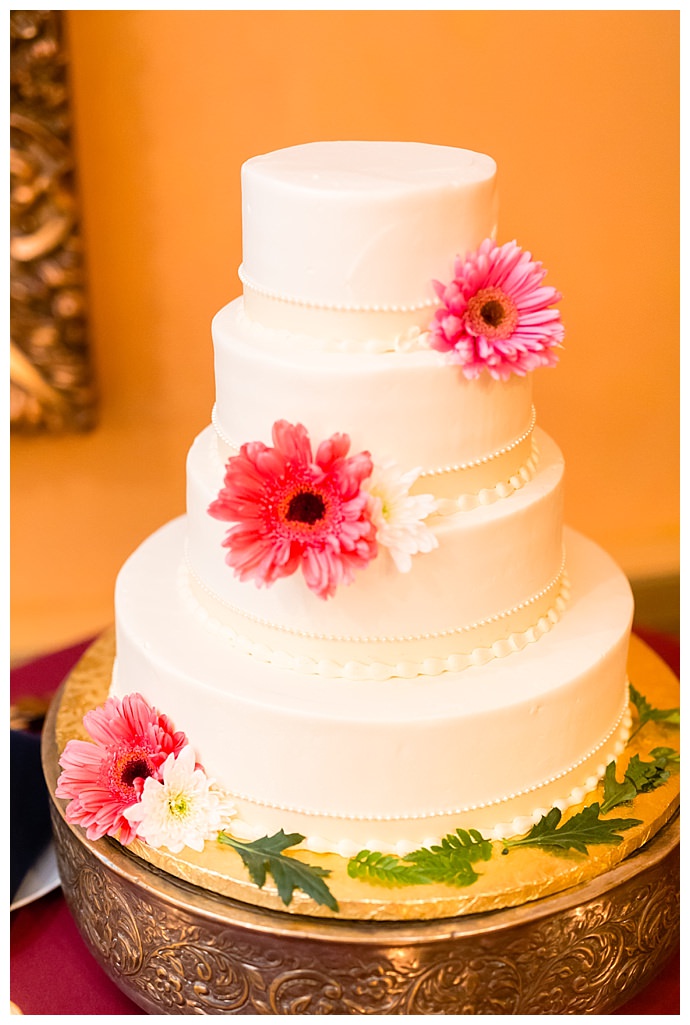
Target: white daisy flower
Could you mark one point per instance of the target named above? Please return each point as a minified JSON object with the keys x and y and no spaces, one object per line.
{"x":398,"y":516}
{"x":183,"y":810}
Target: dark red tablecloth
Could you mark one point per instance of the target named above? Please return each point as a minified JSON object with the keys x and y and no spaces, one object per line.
{"x":51,"y":969}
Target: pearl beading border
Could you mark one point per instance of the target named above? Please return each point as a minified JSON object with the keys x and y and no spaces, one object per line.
{"x":376,"y":670}
{"x":471,"y":464}
{"x":431,"y":635}
{"x":621,"y":727}
{"x":421,"y":304}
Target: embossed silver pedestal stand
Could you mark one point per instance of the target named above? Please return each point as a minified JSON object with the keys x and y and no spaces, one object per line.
{"x":174,"y":948}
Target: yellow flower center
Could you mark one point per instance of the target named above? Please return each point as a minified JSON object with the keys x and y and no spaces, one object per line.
{"x":178,"y":806}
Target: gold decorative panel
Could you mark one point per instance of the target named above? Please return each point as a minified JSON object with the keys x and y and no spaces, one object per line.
{"x":51,"y":377}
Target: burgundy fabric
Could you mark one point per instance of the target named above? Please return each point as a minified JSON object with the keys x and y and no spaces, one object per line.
{"x":51,"y":968}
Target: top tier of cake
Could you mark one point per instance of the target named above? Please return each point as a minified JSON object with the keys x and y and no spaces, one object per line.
{"x":362,"y":226}
{"x":342,"y":242}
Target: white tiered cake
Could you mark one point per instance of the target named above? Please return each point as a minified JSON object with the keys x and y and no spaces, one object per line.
{"x":447,"y":654}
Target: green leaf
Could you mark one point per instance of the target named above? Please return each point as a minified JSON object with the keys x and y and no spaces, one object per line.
{"x":646,"y":713}
{"x":646,"y":776}
{"x":385,"y":869}
{"x":639,"y":778}
{"x":470,"y":842}
{"x":444,"y":865}
{"x":670,"y":754}
{"x":582,"y":829}
{"x":616,"y":793}
{"x":265,"y":855}
{"x":449,"y":862}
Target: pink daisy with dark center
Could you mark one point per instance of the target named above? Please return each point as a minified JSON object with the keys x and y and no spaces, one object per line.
{"x":293,"y":510}
{"x":495,"y":314}
{"x":102,"y":779}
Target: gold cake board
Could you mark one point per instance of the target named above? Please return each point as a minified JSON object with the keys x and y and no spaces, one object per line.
{"x":536,"y":934}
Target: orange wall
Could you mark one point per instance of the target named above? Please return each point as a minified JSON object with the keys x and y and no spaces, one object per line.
{"x":580,"y":109}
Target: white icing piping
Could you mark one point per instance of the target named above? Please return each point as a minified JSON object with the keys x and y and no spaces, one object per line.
{"x":421,"y":304}
{"x":622,"y":725}
{"x":375,"y":639}
{"x":486,"y":496}
{"x":518,"y":826}
{"x":411,"y":339}
{"x":483,"y":460}
{"x":438,"y":471}
{"x":379,"y":670}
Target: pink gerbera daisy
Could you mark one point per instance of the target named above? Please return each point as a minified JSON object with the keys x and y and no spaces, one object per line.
{"x":495,"y":313}
{"x":102,"y":779}
{"x":293,"y":510}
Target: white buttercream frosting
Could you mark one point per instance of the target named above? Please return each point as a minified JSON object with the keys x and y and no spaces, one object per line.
{"x":411,"y":408}
{"x":492,"y":558}
{"x":487,"y":682}
{"x":380,"y":658}
{"x":358,"y":761}
{"x":363,"y":225}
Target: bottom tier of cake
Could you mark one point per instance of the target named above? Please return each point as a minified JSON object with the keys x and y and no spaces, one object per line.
{"x":387,"y":765}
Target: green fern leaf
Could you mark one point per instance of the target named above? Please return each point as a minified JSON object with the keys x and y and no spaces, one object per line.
{"x":616,"y":793}
{"x":448,"y":862}
{"x":646,"y":713}
{"x":265,"y":855}
{"x":444,"y":864}
{"x":586,"y":827}
{"x":471,"y":843}
{"x":671,"y":756}
{"x":384,"y":869}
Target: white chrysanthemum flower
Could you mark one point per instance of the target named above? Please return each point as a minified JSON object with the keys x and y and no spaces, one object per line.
{"x":398,"y":516}
{"x":183,"y":810}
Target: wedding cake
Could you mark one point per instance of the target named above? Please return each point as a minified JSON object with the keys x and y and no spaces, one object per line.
{"x":371,"y":624}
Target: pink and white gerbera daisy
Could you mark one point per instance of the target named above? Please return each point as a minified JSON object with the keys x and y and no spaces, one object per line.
{"x":102,"y":779}
{"x":495,"y":313}
{"x":293,"y":510}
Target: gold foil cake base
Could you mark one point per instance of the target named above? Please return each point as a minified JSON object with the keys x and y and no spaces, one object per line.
{"x":525,"y":874}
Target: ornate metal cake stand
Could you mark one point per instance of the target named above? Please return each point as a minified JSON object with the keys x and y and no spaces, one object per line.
{"x":176,"y":948}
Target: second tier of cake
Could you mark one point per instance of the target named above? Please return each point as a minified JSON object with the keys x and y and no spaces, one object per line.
{"x":497,"y":575}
